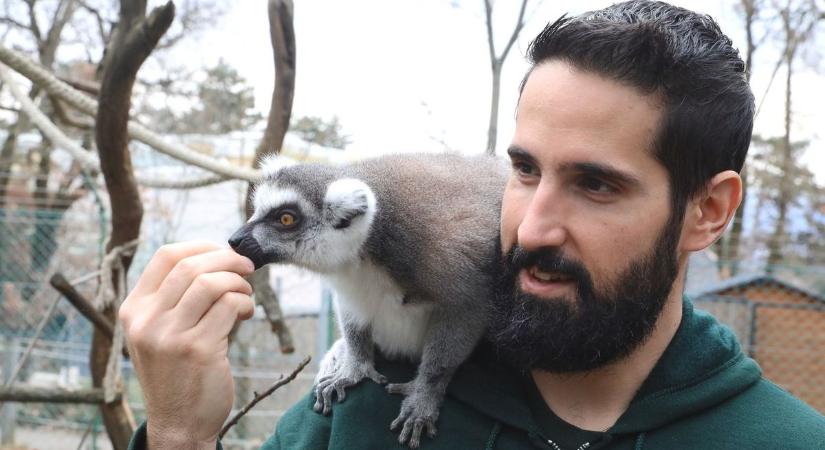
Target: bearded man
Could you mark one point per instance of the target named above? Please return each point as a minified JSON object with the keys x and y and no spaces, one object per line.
{"x":632,"y":127}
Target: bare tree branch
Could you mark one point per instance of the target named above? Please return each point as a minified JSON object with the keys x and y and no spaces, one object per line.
{"x":488,"y":14}
{"x":101,"y":21}
{"x":33,"y":26}
{"x":14,"y":23}
{"x":496,"y":63}
{"x":84,"y":86}
{"x":64,"y":117}
{"x":40,"y":395}
{"x":258,"y":397}
{"x":516,"y":30}
{"x":62,"y":14}
{"x":82,"y":305}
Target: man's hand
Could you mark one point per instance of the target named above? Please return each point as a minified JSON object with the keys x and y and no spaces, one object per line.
{"x":177,"y":322}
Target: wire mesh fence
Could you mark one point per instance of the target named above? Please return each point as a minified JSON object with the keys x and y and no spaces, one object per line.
{"x":35,"y":244}
{"x":781,"y":326}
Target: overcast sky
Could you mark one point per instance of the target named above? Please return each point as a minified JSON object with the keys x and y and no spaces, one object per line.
{"x":413,"y":75}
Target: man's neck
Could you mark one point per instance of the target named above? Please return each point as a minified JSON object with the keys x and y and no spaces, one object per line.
{"x":596,"y":399}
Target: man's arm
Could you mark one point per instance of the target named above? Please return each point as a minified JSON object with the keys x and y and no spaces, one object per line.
{"x":177,"y":322}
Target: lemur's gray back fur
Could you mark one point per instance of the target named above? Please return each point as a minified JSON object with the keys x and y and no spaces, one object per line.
{"x":437,"y":221}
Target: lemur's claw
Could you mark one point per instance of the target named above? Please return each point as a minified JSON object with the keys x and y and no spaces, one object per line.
{"x":416,"y":415}
{"x":345,"y":376}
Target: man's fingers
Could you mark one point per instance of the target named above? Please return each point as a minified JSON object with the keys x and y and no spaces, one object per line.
{"x":184,"y":273}
{"x":221,"y":317}
{"x":205,"y":289}
{"x":165,"y":259}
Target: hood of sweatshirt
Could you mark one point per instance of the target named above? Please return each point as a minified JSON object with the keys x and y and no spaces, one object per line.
{"x":702,"y":367}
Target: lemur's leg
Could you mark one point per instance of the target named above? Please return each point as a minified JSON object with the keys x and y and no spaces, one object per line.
{"x":449,"y":343}
{"x":331,"y":360}
{"x":354,"y":364}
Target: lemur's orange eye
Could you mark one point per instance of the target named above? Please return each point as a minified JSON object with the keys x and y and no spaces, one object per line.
{"x":287,"y":219}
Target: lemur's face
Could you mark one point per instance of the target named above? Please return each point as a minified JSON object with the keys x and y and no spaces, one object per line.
{"x":300,"y":218}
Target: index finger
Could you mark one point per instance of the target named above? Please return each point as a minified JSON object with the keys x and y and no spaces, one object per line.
{"x":165,"y":259}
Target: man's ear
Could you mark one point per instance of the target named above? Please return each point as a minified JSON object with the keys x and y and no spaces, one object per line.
{"x":708,"y":214}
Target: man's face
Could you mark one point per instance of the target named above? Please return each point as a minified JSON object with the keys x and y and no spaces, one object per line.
{"x":589,"y":253}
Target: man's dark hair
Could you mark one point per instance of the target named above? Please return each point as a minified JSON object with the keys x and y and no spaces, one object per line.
{"x":685,"y":59}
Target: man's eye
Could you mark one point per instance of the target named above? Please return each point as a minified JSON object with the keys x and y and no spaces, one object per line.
{"x":523,"y":168}
{"x":596,"y":186}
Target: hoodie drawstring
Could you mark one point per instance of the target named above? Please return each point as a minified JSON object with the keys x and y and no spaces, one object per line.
{"x":491,"y":441}
{"x":640,"y":441}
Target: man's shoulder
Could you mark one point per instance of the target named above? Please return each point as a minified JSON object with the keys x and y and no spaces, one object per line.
{"x":762,"y":416}
{"x":362,"y":420}
{"x":783,"y":411}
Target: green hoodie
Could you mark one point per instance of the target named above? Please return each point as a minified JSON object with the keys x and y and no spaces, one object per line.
{"x":703,"y":393}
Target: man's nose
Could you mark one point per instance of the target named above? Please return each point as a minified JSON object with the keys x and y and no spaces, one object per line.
{"x":543,"y":222}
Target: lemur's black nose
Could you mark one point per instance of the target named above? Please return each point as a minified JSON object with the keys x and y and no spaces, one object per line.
{"x":235,"y":240}
{"x":244,"y":244}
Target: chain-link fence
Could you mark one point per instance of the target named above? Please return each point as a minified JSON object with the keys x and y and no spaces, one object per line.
{"x":35,"y":244}
{"x":781,"y":326}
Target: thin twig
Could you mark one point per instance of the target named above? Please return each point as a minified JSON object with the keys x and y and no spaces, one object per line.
{"x":258,"y":397}
{"x":86,"y":433}
{"x":22,"y":360}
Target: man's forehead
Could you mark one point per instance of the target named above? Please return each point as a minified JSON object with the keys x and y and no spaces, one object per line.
{"x":569,"y":117}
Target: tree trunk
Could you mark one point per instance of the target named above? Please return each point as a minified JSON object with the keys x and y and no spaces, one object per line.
{"x":728,"y":248}
{"x":282,"y":37}
{"x":778,"y":239}
{"x":492,"y":128}
{"x":496,"y":63}
{"x":135,"y":38}
{"x":733,"y":245}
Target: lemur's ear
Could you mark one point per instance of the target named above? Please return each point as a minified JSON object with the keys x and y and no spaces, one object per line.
{"x":347,"y":199}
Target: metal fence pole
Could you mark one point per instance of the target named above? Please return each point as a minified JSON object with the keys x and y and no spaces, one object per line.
{"x":8,"y":410}
{"x":324,"y":323}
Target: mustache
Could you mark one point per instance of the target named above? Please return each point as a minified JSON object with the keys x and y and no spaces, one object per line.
{"x":546,"y":260}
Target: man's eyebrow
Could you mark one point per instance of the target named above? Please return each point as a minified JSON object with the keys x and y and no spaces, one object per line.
{"x":521,"y":153}
{"x":603,"y":171}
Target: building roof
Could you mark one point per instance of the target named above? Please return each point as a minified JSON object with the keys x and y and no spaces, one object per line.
{"x":748,"y":280}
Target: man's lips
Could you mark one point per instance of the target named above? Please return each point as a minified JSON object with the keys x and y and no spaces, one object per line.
{"x":542,"y":283}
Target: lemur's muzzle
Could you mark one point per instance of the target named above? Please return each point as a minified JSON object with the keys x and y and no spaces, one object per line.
{"x":244,"y":244}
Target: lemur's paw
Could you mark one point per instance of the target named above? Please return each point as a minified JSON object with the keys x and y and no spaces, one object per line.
{"x":345,"y":376}
{"x":331,"y":362}
{"x":418,"y":413}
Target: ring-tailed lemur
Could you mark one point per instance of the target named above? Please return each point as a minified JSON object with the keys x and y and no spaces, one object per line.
{"x":407,"y":243}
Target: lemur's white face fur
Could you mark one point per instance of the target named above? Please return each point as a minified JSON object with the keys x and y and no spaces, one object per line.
{"x":306,"y":216}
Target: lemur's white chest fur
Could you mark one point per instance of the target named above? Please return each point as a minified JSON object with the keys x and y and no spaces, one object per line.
{"x":369,"y":296}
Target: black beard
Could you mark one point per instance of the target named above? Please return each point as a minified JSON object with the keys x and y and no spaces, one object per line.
{"x":599,"y":326}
